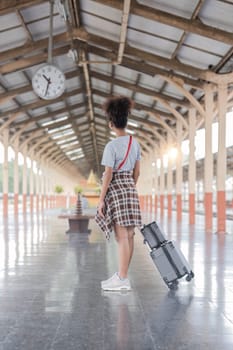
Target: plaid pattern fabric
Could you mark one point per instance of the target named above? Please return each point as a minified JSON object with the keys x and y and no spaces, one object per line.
{"x":121,"y":203}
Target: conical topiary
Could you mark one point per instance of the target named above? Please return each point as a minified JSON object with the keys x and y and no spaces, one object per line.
{"x":79,"y":209}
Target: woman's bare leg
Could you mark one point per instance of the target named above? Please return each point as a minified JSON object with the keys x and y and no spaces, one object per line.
{"x":124,"y":250}
{"x":130,"y":230}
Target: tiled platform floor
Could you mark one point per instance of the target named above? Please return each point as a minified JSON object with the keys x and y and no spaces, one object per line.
{"x":50,"y":296}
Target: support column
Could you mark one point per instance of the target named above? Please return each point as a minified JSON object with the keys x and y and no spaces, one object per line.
{"x":148,"y":183}
{"x":169,"y":179}
{"x":192,"y":165}
{"x":37,"y":187}
{"x":151,"y":182}
{"x":42,"y":187}
{"x":179,"y":171}
{"x":221,"y":159}
{"x":208,"y":175}
{"x":25,"y":181}
{"x":47,"y":186}
{"x":155,"y":184}
{"x":5,"y":172}
{"x":16,"y":177}
{"x":31,"y":187}
{"x":161,"y":186}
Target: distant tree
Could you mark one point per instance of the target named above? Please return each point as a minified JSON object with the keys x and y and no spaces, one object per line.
{"x":58,"y":189}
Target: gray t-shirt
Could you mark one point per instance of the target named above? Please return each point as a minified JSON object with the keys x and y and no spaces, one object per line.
{"x":115,"y":151}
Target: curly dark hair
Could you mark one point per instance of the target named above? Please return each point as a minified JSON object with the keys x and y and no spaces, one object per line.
{"x":117,"y":109}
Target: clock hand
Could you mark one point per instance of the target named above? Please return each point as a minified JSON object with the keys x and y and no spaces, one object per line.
{"x":48,"y":79}
{"x":47,"y":87}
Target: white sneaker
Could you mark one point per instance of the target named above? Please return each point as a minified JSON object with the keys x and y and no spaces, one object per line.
{"x":115,"y":283}
{"x":108,"y":280}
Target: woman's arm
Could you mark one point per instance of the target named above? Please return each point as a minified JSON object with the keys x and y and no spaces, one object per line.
{"x":107,"y":178}
{"x":136,"y":171}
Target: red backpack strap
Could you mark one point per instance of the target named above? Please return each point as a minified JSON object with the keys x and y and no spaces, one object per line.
{"x":129,"y":145}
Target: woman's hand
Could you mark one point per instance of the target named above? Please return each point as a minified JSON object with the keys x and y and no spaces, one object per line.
{"x":101,"y":207}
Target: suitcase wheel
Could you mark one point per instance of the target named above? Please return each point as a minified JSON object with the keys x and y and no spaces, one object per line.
{"x":190,"y":276}
{"x":173,"y":285}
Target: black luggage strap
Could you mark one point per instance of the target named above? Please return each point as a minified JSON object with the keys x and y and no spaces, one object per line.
{"x":171,"y":261}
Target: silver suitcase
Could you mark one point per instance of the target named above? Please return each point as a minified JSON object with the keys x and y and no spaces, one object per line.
{"x":153,"y":235}
{"x":171,"y":264}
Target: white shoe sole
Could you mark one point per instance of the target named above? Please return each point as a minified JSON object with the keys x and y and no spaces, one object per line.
{"x":122,"y":288}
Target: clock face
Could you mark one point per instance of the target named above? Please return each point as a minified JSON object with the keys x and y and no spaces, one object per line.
{"x":48,"y":82}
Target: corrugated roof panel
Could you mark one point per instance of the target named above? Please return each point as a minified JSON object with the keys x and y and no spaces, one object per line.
{"x":137,"y":113}
{"x":154,"y":28}
{"x":196,"y":57}
{"x":144,"y":99}
{"x":101,"y":10}
{"x":118,"y":90}
{"x":160,"y":106}
{"x":40,"y":29}
{"x":217,"y":14}
{"x":73,"y":83}
{"x":22,"y":117}
{"x":36,"y":12}
{"x":98,"y":99}
{"x":8,"y":21}
{"x":100,"y":84}
{"x":206,"y":44}
{"x":64,"y":63}
{"x":126,"y":74}
{"x":27,"y":97}
{"x":38,"y":111}
{"x":171,"y":90}
{"x":103,"y":27}
{"x":12,"y":38}
{"x":75,"y":99}
{"x":150,"y":82}
{"x":8,"y":105}
{"x":13,"y":80}
{"x":81,"y":120}
{"x":102,"y":121}
{"x":182,"y":8}
{"x":151,"y":43}
{"x":99,"y":111}
{"x":96,"y":63}
{"x":78,"y":111}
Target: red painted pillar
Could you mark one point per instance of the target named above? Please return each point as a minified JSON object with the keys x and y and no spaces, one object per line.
{"x":221,"y":218}
{"x":37,"y":203}
{"x":208,"y":202}
{"x":31,"y":202}
{"x":179,"y":171}
{"x":179,"y":207}
{"x":169,"y":205}
{"x":5,"y":204}
{"x":161,"y":204}
{"x":24,"y":203}
{"x":192,"y":165}
{"x":221,"y":159}
{"x":192,"y":208}
{"x":42,"y":202}
{"x":5,"y":172}
{"x":16,"y":203}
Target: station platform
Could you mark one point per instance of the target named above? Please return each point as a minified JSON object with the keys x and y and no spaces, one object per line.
{"x":50,"y":295}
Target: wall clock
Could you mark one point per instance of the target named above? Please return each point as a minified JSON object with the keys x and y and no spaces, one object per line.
{"x":48,"y":82}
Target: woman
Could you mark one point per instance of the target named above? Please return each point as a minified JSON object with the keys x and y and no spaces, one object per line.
{"x":118,"y":206}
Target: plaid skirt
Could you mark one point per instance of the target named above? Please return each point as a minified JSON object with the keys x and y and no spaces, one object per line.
{"x":121,"y":204}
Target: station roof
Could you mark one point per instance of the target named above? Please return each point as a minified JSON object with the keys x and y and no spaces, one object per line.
{"x":160,"y":53}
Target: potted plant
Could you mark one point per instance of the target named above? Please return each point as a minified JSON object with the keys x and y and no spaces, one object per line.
{"x":58,"y":189}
